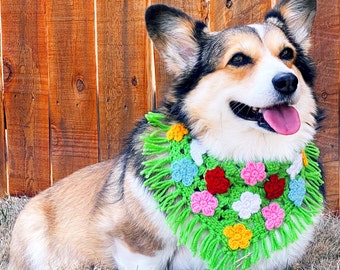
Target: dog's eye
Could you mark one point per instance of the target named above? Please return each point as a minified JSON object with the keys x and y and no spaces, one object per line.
{"x":287,"y":54}
{"x":239,"y":60}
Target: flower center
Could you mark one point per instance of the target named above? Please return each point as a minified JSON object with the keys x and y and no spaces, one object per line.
{"x":237,"y":236}
{"x":204,"y":203}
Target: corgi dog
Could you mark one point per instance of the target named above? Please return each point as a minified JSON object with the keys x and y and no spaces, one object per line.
{"x":223,"y":175}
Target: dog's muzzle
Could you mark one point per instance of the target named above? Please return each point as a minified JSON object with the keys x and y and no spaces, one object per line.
{"x":281,"y":118}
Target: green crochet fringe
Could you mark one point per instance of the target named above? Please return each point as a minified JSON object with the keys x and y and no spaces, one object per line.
{"x":204,"y":234}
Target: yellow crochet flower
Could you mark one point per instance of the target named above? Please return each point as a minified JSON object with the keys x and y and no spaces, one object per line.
{"x":239,"y":236}
{"x":304,"y":159}
{"x":177,"y":132}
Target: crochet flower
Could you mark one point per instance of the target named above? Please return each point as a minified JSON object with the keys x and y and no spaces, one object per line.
{"x":253,"y":173}
{"x":274,"y":215}
{"x":297,"y":191}
{"x":239,"y":236}
{"x":216,"y":181}
{"x":296,"y":166}
{"x":203,"y":202}
{"x":177,"y":132}
{"x":183,"y":170}
{"x":274,"y":187}
{"x":248,"y":204}
{"x":196,"y":152}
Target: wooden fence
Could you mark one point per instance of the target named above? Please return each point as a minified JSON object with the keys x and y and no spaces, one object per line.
{"x":76,"y":74}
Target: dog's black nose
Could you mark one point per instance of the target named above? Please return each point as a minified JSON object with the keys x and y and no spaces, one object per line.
{"x":285,"y":83}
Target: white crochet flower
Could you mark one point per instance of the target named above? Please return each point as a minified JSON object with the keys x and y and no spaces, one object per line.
{"x":296,"y":167}
{"x":248,"y":204}
{"x":196,"y":152}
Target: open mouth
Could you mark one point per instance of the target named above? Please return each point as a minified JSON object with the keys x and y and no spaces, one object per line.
{"x":281,"y":118}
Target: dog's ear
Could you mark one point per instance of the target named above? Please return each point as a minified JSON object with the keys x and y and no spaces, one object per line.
{"x":296,"y":17}
{"x":175,"y":35}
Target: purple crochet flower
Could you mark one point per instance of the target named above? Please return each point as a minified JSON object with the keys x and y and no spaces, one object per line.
{"x":297,"y":191}
{"x":184,"y":170}
{"x":253,"y":173}
{"x":274,"y":215}
{"x":203,"y":202}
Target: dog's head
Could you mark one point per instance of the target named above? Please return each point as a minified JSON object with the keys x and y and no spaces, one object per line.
{"x":244,"y":92}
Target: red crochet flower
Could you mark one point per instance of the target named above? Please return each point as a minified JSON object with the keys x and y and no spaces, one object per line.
{"x":216,"y":181}
{"x":274,"y":187}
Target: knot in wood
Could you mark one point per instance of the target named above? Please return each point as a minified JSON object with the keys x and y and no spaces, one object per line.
{"x":324,"y":95}
{"x":80,"y":85}
{"x":8,"y":70}
{"x":134,"y":81}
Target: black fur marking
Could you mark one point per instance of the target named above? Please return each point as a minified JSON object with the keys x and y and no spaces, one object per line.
{"x":134,"y":151}
{"x":156,"y":15}
{"x":305,"y":64}
{"x":154,"y":20}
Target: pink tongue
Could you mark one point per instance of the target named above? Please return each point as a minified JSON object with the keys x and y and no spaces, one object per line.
{"x":283,"y":119}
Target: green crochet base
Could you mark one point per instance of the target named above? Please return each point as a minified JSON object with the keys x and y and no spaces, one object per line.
{"x":204,"y":234}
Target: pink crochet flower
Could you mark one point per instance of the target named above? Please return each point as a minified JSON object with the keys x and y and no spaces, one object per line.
{"x":274,"y":215}
{"x":253,"y":173}
{"x":205,"y":202}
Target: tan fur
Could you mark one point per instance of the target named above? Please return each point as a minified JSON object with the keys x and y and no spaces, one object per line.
{"x":75,"y":221}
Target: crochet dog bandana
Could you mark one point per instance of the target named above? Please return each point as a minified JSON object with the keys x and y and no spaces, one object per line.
{"x":229,"y":213}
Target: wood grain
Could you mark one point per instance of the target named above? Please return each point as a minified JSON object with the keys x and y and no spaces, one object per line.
{"x":73,"y":95}
{"x":326,"y":53}
{"x":3,"y":177}
{"x":124,"y":95}
{"x":232,"y":13}
{"x":26,"y":95}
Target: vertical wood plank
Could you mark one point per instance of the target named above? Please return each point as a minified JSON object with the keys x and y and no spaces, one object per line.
{"x":124,"y":94}
{"x":26,"y":95}
{"x":196,"y":9}
{"x":326,"y":53}
{"x":3,"y":178}
{"x":227,"y":13}
{"x":73,"y":98}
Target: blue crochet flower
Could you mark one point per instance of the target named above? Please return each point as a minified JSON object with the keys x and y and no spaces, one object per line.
{"x":184,"y":170}
{"x":297,"y":191}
